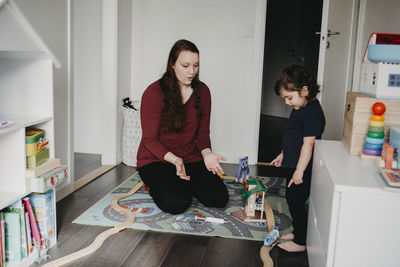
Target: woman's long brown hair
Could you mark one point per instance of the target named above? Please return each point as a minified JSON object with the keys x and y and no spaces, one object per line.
{"x":174,"y":115}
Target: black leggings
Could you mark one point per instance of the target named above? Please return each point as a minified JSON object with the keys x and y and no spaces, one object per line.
{"x":174,"y":195}
{"x":296,"y":196}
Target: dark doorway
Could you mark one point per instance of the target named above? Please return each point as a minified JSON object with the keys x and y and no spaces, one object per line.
{"x":290,"y":38}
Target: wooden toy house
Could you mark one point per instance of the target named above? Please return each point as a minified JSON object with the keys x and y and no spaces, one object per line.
{"x":254,"y":198}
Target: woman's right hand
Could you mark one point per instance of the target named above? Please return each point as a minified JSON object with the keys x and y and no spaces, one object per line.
{"x":277,"y":162}
{"x":180,"y":169}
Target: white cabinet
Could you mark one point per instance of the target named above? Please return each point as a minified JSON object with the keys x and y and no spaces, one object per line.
{"x":352,"y":220}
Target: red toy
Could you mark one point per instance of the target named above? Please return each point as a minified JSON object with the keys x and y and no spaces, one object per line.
{"x":378,"y":108}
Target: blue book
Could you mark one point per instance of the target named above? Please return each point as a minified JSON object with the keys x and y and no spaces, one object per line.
{"x":42,"y":205}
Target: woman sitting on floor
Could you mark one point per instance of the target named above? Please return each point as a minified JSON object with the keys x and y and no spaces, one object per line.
{"x":174,"y":158}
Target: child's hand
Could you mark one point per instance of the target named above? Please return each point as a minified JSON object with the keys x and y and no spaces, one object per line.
{"x":297,"y":178}
{"x":277,"y":162}
{"x":211,"y":160}
{"x":180,"y":169}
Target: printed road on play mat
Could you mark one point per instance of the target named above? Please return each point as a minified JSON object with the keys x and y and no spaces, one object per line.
{"x":150,"y":217}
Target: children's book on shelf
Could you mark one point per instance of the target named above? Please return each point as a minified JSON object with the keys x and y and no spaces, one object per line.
{"x":3,"y":234}
{"x":28,"y":233}
{"x":13,"y":244}
{"x":1,"y":241}
{"x":390,"y":176}
{"x":32,"y":221}
{"x":18,"y":207}
{"x":43,"y":207}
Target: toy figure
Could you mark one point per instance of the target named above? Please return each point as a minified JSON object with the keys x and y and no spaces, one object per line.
{"x":243,"y":170}
{"x":43,"y":256}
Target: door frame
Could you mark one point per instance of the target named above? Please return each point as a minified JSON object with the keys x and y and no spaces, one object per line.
{"x":108,"y":90}
{"x":356,"y":18}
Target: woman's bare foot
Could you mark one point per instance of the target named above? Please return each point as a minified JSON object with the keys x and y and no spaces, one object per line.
{"x":288,"y":236}
{"x":290,"y":246}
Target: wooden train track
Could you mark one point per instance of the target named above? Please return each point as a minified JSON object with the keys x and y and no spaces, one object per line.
{"x":130,"y":219}
{"x":96,"y":244}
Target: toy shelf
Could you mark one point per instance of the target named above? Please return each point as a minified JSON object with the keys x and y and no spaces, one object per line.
{"x":21,"y":121}
{"x":23,"y":54}
{"x":9,"y":197}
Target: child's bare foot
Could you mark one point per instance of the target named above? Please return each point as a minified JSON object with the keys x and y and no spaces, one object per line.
{"x":288,"y":236}
{"x":290,"y":246}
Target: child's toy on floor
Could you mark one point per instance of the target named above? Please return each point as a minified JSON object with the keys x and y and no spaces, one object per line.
{"x":243,"y":172}
{"x":130,"y":218}
{"x":271,"y":237}
{"x":254,"y":197}
{"x":375,"y":137}
{"x":210,"y":219}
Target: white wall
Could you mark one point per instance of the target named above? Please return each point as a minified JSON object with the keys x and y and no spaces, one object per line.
{"x":230,"y":37}
{"x":88,"y":79}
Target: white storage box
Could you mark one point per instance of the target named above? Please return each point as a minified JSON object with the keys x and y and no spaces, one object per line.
{"x":381,"y":80}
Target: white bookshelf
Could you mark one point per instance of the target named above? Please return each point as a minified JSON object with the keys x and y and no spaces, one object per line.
{"x":26,"y":99}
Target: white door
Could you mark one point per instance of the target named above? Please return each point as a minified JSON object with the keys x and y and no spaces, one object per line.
{"x":336,"y":60}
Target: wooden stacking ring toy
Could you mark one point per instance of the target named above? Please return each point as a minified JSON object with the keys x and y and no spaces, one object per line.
{"x":376,"y":123}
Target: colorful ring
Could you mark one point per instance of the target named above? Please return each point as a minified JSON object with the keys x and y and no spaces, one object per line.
{"x":376,"y":123}
{"x":376,"y":135}
{"x":374,"y":140}
{"x":377,"y":118}
{"x":376,"y":129}
{"x":372,"y":152}
{"x":373,"y":146}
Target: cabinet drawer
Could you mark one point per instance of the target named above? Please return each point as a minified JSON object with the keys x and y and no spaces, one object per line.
{"x":315,"y":251}
{"x":322,"y":196}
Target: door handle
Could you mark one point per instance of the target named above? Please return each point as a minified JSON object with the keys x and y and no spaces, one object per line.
{"x":332,"y":33}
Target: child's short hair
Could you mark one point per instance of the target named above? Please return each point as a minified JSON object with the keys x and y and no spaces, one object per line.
{"x":293,"y":78}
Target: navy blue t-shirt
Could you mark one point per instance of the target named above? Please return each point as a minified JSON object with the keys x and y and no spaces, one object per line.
{"x":306,"y":121}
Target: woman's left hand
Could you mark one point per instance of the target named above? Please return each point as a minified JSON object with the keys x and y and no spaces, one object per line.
{"x":297,"y":178}
{"x":211,"y":160}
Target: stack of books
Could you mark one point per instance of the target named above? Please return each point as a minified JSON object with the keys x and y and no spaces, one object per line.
{"x":25,"y":225}
{"x":43,"y":171}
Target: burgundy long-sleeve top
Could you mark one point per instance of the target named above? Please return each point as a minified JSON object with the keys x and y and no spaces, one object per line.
{"x":187,"y":143}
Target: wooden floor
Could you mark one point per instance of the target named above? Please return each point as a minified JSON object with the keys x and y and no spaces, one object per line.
{"x":85,"y":163}
{"x":146,"y":248}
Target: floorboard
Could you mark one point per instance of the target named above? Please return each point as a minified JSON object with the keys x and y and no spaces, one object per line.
{"x":152,"y":250}
{"x":186,"y":250}
{"x":85,"y":163}
{"x":232,"y":252}
{"x":146,"y":248}
{"x":115,"y":249}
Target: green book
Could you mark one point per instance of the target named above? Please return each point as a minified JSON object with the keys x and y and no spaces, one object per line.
{"x":12,"y":236}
